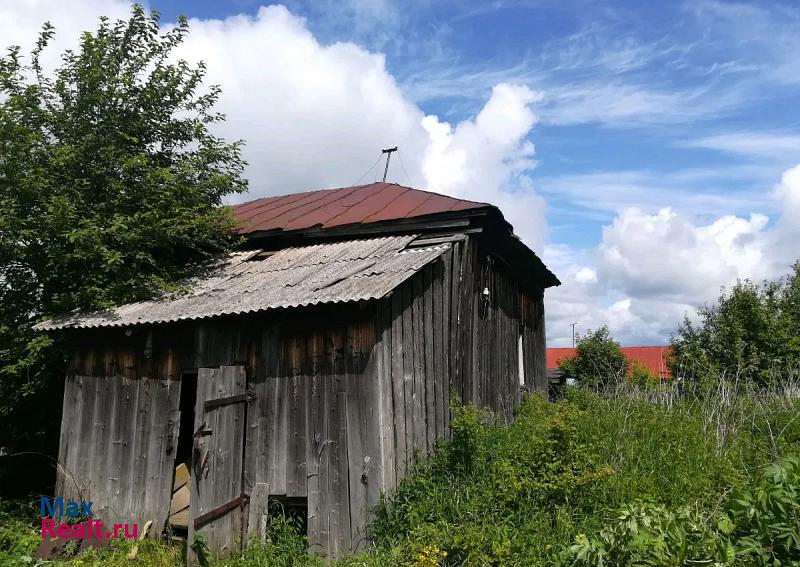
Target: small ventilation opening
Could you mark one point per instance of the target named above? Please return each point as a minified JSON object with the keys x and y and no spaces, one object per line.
{"x":291,"y":511}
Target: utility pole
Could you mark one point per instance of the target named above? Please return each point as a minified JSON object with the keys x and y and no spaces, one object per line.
{"x":388,"y":152}
{"x":573,"y":335}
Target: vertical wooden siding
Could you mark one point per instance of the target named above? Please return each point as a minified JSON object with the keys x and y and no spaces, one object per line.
{"x":446,"y":340}
{"x":533,"y":341}
{"x":118,"y":438}
{"x":314,"y":430}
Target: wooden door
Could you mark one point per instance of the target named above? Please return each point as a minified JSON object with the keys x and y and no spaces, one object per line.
{"x":218,"y":502}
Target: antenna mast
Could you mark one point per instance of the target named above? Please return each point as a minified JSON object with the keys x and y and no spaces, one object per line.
{"x":388,"y":152}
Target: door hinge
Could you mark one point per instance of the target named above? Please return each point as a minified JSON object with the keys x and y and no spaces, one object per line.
{"x":238,"y":398}
{"x":220,"y":511}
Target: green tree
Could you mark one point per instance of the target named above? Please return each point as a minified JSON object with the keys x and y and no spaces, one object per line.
{"x":752,"y":332}
{"x":111,"y":181}
{"x":598,"y":360}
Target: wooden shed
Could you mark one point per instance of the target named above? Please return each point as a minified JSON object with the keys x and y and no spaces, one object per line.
{"x":307,"y":368}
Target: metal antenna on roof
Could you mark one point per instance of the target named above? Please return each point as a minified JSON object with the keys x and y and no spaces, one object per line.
{"x":388,"y":152}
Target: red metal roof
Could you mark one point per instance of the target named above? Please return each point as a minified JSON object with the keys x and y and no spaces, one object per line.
{"x":361,"y":204}
{"x":653,"y":357}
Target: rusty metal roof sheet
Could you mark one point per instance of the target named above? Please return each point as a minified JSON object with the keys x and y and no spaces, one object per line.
{"x":256,"y":280}
{"x":328,"y":208}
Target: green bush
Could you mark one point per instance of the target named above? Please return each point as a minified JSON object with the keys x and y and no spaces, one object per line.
{"x":598,"y":360}
{"x":758,"y":526}
{"x":751,"y":333}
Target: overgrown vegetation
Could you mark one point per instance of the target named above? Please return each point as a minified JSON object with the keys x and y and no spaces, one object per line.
{"x":111,"y":182}
{"x":631,"y":475}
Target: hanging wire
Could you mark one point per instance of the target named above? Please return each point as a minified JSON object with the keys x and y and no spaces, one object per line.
{"x":370,"y":169}
{"x":403,"y":165}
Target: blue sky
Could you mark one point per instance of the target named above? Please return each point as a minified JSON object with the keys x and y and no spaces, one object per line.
{"x":664,"y":95}
{"x":648,"y":151}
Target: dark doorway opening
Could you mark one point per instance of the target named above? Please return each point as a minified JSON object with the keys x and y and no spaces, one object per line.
{"x":186,"y":431}
{"x":179,"y":510}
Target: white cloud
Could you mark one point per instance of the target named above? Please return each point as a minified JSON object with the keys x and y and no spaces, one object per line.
{"x":315,"y":115}
{"x":652,"y":268}
{"x":774,"y":145}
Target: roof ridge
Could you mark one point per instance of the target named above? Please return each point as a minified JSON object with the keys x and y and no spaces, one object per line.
{"x":328,"y":189}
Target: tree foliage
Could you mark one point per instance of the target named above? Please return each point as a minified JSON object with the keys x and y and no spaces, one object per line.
{"x":598,"y":360}
{"x":752,"y":331}
{"x":111,"y":181}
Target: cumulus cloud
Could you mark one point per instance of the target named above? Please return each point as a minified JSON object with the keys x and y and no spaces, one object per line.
{"x":652,"y":268}
{"x":315,"y":115}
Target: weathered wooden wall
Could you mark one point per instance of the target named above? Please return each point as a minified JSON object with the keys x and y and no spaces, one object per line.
{"x":313,"y":431}
{"x":534,"y":343}
{"x":448,"y":340}
{"x":118,"y":433}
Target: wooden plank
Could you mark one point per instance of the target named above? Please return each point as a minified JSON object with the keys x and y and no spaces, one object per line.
{"x":430,"y":366}
{"x":456,"y":374}
{"x":236,"y":421}
{"x":296,"y":420}
{"x":419,"y":340}
{"x":439,"y":377}
{"x":181,"y":476}
{"x":180,"y":499}
{"x":252,"y":446}
{"x":447,"y":371}
{"x":221,"y":511}
{"x":68,"y":415}
{"x":317,"y":532}
{"x":142,"y":427}
{"x":408,"y":373}
{"x":160,"y":451}
{"x":385,"y":396}
{"x":180,"y":519}
{"x":467,"y":316}
{"x":72,"y":484}
{"x":96,"y":475}
{"x":360,"y":430}
{"x":112,"y":448}
{"x":372,"y":403}
{"x":327,"y":498}
{"x":266,"y":403}
{"x":397,"y":379}
{"x":338,"y":483}
{"x":280,"y":438}
{"x":126,"y":440}
{"x":83,"y":463}
{"x":258,"y":509}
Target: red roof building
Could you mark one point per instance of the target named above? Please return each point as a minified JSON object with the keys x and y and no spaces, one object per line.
{"x":348,"y":206}
{"x":653,"y":357}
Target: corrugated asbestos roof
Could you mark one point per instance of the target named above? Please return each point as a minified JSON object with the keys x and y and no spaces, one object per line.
{"x":362,"y":204}
{"x":256,"y":281}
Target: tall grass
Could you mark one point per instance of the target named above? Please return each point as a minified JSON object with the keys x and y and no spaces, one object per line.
{"x":520,"y":494}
